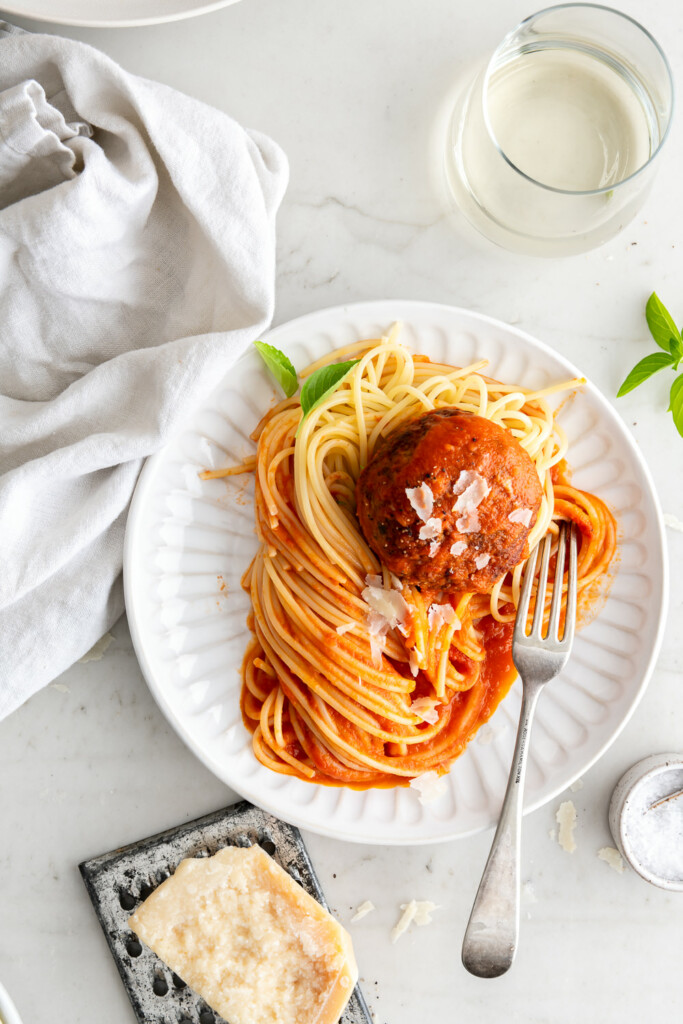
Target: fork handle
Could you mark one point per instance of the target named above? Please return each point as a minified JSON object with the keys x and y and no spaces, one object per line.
{"x":490,"y":941}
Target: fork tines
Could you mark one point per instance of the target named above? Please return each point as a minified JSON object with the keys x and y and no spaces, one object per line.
{"x":567,"y":531}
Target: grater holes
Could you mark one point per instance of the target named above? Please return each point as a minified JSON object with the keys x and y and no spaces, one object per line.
{"x":242,"y":840}
{"x":206,"y":1016}
{"x":160,"y":985}
{"x":178,"y":982}
{"x":266,"y":843}
{"x":146,"y":889}
{"x":126,"y":900}
{"x":133,"y":946}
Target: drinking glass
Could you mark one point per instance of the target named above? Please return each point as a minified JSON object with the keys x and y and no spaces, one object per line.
{"x":553,"y":147}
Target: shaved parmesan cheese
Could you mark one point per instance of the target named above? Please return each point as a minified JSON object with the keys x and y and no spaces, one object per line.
{"x":377,"y":624}
{"x":521,"y":515}
{"x":422,"y":500}
{"x":425,"y":708}
{"x":423,"y":912}
{"x":458,"y":548}
{"x":566,"y":819}
{"x":363,"y":910}
{"x":388,"y":603}
{"x":374,"y":580}
{"x":429,"y":787}
{"x":404,"y":921}
{"x":345,"y":627}
{"x":612,"y":857}
{"x":414,"y":662}
{"x":434,"y":547}
{"x":419,"y":911}
{"x":471,"y":488}
{"x":432,"y":528}
{"x":481,"y":561}
{"x":468,"y":522}
{"x":395,"y":582}
{"x":439,"y":614}
{"x":377,"y":645}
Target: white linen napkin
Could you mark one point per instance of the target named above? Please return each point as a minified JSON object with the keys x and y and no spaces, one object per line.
{"x":136,"y":264}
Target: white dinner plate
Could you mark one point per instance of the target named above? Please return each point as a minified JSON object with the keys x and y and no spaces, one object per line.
{"x":110,"y":13}
{"x":189,"y":541}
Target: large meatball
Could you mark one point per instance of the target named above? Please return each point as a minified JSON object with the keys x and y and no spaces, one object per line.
{"x":448,"y":500}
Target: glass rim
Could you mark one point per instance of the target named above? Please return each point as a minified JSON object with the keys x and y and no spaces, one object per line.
{"x":490,"y":69}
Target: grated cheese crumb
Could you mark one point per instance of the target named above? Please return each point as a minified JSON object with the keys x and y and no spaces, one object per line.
{"x":612,"y":857}
{"x":363,"y":910}
{"x":566,"y":819}
{"x":429,"y":787}
{"x":673,"y":522}
{"x":576,"y":786}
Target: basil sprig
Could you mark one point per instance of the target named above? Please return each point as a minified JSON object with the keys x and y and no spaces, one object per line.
{"x":668,"y":337}
{"x":322,"y":383}
{"x":279,"y":366}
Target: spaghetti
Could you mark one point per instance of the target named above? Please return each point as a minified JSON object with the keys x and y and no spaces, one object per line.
{"x":353,"y":677}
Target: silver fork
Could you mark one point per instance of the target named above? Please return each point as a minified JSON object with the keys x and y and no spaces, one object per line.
{"x":490,"y":941}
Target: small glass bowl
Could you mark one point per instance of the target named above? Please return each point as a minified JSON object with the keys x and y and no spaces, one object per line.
{"x":647,"y":827}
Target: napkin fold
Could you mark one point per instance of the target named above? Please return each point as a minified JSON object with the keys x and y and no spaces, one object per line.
{"x":136,"y":264}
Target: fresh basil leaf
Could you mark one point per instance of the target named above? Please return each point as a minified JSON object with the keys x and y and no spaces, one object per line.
{"x":660,"y":322}
{"x":644,"y":369}
{"x":279,"y":366}
{"x":676,"y":403}
{"x":677,"y":351}
{"x":322,"y":383}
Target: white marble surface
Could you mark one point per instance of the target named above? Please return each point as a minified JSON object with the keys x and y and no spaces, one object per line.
{"x":352,"y":91}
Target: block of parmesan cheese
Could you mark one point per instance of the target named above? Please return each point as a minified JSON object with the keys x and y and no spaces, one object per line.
{"x":249,"y":940}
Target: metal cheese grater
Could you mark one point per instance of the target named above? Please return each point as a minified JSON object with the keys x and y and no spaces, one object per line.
{"x":117,"y":882}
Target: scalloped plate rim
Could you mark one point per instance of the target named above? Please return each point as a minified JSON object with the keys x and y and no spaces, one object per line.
{"x":243,"y":787}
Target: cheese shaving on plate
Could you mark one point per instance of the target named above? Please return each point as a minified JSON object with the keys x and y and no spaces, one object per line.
{"x":429,"y":787}
{"x":425,"y":708}
{"x":419,"y":911}
{"x":481,"y":561}
{"x":422,"y":500}
{"x":363,"y":910}
{"x":458,"y":548}
{"x":471,"y":488}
